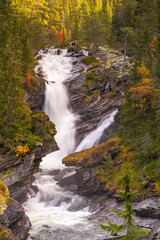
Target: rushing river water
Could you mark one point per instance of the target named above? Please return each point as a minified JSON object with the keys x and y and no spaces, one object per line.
{"x":54,"y":213}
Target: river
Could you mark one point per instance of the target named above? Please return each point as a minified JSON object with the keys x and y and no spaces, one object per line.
{"x":56,"y":214}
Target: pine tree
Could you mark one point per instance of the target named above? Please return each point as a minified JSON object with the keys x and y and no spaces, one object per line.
{"x":93,"y":31}
{"x":128,"y":227}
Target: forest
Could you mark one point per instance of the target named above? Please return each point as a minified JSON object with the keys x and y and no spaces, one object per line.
{"x":129,"y":26}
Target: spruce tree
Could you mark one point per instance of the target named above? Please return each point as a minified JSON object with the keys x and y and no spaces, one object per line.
{"x":128,"y":227}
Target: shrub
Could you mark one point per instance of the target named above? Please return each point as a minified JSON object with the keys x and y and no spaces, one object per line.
{"x":90,"y":75}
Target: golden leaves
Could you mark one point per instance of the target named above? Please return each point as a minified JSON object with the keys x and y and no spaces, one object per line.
{"x":21,"y":150}
{"x":144,"y":92}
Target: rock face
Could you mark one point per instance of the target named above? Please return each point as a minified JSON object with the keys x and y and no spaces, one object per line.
{"x":35,"y":94}
{"x":17,"y":171}
{"x":96,"y":89}
{"x":87,"y":162}
{"x":148,"y":208}
{"x":14,"y":224}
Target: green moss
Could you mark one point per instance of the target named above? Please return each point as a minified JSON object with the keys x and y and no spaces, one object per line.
{"x":7,"y":173}
{"x":3,"y":189}
{"x":152,"y":170}
{"x":90,"y":75}
{"x":43,"y":130}
{"x":95,"y":65}
{"x":4,"y":195}
{"x":91,"y":96}
{"x":40,"y":115}
{"x":89,"y":60}
{"x":32,"y":141}
{"x":91,"y":156}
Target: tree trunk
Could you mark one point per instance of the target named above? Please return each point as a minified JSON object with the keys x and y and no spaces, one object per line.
{"x":125,"y":48}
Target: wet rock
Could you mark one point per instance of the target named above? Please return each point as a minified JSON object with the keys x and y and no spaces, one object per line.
{"x":70,"y":54}
{"x":149,"y":208}
{"x":73,"y":179}
{"x":14,"y":224}
{"x":46,"y":50}
{"x":74,"y":60}
{"x":17,"y":173}
{"x":77,"y":55}
{"x":64,"y":173}
{"x":54,"y":172}
{"x":91,"y":157}
{"x":70,"y":50}
{"x":21,"y":228}
{"x":12,"y":214}
{"x":58,"y":51}
{"x":73,"y":48}
{"x":34,"y":188}
{"x":114,"y":238}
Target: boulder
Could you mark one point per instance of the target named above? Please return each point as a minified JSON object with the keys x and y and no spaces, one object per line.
{"x":12,"y":214}
{"x":148,"y":208}
{"x":14,"y":224}
{"x":87,"y":163}
{"x":91,"y":157}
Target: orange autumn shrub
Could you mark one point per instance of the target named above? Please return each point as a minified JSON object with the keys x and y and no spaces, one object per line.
{"x":21,"y":150}
{"x":144,"y":92}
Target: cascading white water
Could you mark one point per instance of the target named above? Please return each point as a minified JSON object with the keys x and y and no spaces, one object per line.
{"x":55,"y":213}
{"x":57,"y":69}
{"x":93,"y":138}
{"x":50,"y":207}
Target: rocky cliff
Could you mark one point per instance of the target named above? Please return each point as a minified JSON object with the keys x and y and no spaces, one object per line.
{"x":35,"y":94}
{"x":17,"y":171}
{"x":14,"y":224}
{"x":96,"y":88}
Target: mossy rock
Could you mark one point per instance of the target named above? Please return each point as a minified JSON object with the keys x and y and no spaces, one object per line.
{"x":90,"y":75}
{"x":40,"y":115}
{"x":3,"y":189}
{"x":91,"y":157}
{"x":90,"y":60}
{"x":4,"y":195}
{"x":3,"y":204}
{"x":152,"y":170}
{"x":90,"y":97}
{"x":42,"y":128}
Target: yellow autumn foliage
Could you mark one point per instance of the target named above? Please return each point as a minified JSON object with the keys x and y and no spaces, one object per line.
{"x":22,"y":150}
{"x":143,"y":70}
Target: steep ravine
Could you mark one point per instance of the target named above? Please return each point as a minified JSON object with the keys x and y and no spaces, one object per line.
{"x":96,"y":90}
{"x":55,"y":203}
{"x":87,"y":100}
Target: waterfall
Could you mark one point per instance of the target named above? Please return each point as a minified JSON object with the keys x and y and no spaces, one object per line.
{"x":49,"y":208}
{"x":57,"y":69}
{"x":55,"y":213}
{"x":92,"y":139}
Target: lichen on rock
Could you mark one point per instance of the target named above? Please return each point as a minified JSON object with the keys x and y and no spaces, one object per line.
{"x":4,"y":195}
{"x":14,"y":224}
